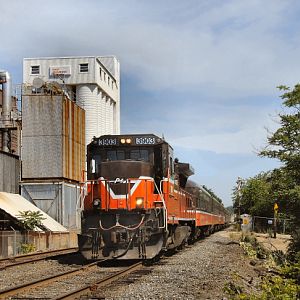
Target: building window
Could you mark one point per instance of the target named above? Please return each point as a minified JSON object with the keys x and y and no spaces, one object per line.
{"x":100,"y":70}
{"x":104,"y":76}
{"x":83,"y":68}
{"x":35,"y":70}
{"x":108,"y":80}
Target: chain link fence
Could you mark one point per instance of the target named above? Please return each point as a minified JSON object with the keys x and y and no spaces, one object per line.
{"x":266,"y":225}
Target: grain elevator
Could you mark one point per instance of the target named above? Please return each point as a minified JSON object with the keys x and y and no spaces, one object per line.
{"x":66,"y":101}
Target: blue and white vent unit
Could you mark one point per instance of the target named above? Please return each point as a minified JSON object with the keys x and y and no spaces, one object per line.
{"x":93,"y":82}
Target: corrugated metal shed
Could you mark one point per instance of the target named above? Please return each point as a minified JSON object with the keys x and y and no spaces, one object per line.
{"x":60,"y":200}
{"x":53,"y":138}
{"x":9,"y":172}
{"x":13,"y":204}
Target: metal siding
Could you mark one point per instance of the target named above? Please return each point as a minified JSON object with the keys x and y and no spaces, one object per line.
{"x":73,"y":62}
{"x":58,"y":200}
{"x":112,"y":65}
{"x":42,"y":115}
{"x":41,"y":136}
{"x":73,"y":141}
{"x":51,"y":148}
{"x":102,"y":100}
{"x":9,"y":173}
{"x":89,"y":99}
{"x":103,"y":84}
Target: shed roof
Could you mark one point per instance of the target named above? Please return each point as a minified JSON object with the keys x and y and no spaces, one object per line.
{"x":13,"y":204}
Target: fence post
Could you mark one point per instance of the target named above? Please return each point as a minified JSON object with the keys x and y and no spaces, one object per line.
{"x":15,"y":243}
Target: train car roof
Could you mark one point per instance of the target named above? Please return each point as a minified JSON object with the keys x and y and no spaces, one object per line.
{"x":192,"y":184}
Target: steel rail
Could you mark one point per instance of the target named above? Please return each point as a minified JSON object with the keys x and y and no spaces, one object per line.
{"x":102,"y":282}
{"x":35,"y":253}
{"x":33,"y":257}
{"x":44,"y":281}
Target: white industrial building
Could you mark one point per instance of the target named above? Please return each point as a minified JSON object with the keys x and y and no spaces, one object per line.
{"x":93,"y":82}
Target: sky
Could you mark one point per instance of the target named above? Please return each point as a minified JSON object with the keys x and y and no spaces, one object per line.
{"x":201,"y":73}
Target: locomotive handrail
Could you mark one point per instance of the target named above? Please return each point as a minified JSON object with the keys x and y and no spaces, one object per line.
{"x":164,"y":204}
{"x":83,"y":193}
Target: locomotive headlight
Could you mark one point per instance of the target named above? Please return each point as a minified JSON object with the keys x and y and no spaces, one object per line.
{"x":123,"y":141}
{"x":139,"y":202}
{"x":128,"y":141}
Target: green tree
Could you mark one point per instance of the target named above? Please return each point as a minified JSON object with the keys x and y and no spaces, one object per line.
{"x":255,"y":197}
{"x":284,"y":145}
{"x":31,"y":219}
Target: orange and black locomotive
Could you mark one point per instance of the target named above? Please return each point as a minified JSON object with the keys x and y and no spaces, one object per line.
{"x":139,"y":201}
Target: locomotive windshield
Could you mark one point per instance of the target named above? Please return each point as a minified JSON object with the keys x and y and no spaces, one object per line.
{"x":134,"y":154}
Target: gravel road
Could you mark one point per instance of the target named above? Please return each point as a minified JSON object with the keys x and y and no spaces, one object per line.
{"x":199,"y":271}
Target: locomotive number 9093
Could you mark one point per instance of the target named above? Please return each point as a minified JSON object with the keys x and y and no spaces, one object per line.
{"x":145,"y":141}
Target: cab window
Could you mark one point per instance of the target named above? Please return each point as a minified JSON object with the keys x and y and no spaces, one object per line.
{"x":115,"y":155}
{"x":94,"y":163}
{"x":139,"y":154}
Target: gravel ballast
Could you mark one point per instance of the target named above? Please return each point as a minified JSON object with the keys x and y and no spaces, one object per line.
{"x":199,"y":271}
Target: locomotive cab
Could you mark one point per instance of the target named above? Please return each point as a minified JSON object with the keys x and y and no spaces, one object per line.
{"x":129,"y":157}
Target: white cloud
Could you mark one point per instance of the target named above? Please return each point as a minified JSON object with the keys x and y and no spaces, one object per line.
{"x":243,"y":141}
{"x":229,"y":48}
{"x":226,"y":52}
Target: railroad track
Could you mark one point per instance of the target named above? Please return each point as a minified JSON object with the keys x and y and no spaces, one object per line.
{"x":68,"y":285}
{"x":102,"y":282}
{"x":33,"y":257}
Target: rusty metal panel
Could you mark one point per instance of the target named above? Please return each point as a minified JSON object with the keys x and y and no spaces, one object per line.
{"x":53,"y":138}
{"x":73,"y":141}
{"x":9,"y":173}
